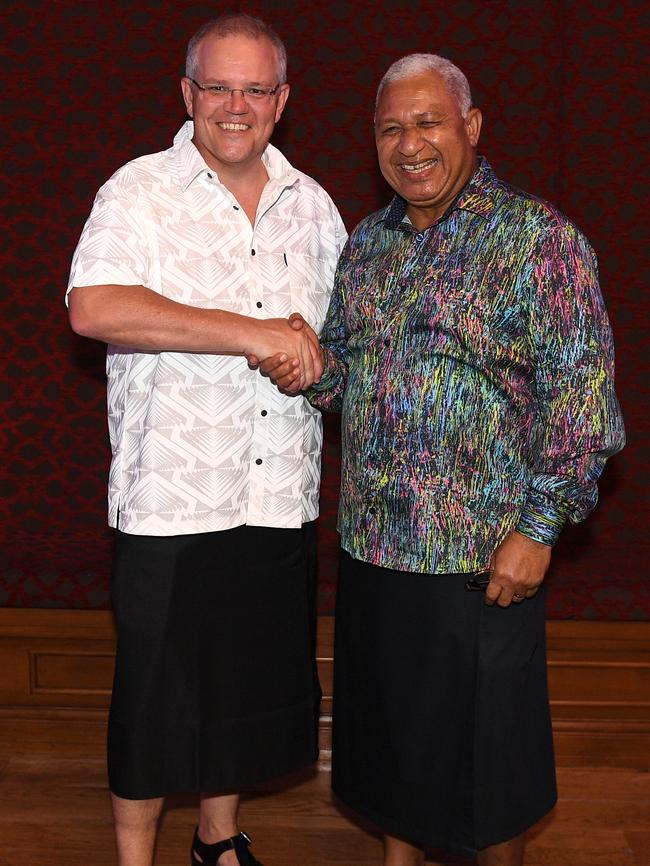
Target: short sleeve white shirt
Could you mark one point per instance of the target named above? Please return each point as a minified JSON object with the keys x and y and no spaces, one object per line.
{"x":199,"y":442}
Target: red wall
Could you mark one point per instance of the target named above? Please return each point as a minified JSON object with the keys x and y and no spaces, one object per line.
{"x":91,"y":85}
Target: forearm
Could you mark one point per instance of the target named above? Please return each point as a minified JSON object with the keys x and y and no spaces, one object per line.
{"x":137,"y":317}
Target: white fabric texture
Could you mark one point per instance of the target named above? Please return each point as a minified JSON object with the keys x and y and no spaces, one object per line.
{"x":201,"y":443}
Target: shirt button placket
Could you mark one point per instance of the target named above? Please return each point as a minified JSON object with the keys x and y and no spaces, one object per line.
{"x":259,"y":451}
{"x":257,"y":473}
{"x":257,"y":289}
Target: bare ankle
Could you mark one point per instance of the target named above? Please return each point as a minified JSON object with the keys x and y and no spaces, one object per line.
{"x":218,"y":818}
{"x":211,"y":832}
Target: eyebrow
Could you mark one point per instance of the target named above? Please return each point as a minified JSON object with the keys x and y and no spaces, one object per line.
{"x":419,"y":116}
{"x":227,"y":83}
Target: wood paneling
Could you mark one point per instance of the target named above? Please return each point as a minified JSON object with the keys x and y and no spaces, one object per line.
{"x":57,"y":670}
{"x":599,"y":682}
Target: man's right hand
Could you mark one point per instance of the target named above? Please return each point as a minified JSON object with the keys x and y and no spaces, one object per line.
{"x":140,"y":318}
{"x":283,"y":373}
{"x":299,"y":364}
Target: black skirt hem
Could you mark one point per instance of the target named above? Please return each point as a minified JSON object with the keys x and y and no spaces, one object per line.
{"x":396,"y":828}
{"x":216,"y":787}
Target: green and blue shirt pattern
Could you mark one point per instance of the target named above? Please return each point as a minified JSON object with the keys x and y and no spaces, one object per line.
{"x":473,"y":366}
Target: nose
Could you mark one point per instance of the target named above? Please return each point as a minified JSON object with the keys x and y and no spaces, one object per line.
{"x":236,"y":102}
{"x":410,"y":141}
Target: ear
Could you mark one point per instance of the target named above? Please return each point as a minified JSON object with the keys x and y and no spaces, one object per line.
{"x":473,"y":123}
{"x":283,"y":95}
{"x":188,"y":95}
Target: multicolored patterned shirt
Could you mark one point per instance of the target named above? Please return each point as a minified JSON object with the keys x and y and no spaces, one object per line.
{"x":473,"y":366}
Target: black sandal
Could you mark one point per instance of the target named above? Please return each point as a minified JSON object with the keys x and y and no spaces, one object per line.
{"x":209,"y":854}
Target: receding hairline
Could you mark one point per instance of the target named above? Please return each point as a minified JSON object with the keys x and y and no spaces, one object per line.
{"x":236,"y":24}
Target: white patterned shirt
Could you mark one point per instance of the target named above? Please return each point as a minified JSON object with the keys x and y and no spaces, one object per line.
{"x":201,"y":443}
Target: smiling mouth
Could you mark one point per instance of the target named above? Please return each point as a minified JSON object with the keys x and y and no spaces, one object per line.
{"x":418,"y":166}
{"x":233,"y":127}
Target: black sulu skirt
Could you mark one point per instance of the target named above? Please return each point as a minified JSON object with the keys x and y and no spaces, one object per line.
{"x":215,"y":680}
{"x":442,"y":731}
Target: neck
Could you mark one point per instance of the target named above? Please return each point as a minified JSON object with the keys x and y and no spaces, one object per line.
{"x":246,"y":187}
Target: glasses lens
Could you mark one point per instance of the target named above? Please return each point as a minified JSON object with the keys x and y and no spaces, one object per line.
{"x":219,"y":93}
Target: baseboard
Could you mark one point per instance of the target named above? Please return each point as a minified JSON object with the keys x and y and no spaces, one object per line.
{"x":57,"y":671}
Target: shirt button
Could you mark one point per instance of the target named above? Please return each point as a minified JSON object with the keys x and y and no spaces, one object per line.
{"x":259,"y":305}
{"x":252,"y":252}
{"x":419,"y":236}
{"x":259,"y":461}
{"x":210,"y":175}
{"x":264,"y":413}
{"x":235,"y":207}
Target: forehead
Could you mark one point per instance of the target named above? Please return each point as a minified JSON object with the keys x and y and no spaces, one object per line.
{"x":220,"y":56}
{"x":417,"y":94}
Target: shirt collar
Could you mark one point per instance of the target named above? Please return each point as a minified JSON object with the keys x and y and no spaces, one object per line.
{"x":190,"y":164}
{"x":480,"y":195}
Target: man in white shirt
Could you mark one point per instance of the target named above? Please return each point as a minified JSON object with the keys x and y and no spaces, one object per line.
{"x":191,"y":261}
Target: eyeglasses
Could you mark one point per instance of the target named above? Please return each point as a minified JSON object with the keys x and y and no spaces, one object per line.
{"x":219,"y":92}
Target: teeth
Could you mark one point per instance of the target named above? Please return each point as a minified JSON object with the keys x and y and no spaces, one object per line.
{"x":235,"y":127}
{"x":420,"y":166}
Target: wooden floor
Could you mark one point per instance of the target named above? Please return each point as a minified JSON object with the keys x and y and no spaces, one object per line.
{"x":55,"y":812}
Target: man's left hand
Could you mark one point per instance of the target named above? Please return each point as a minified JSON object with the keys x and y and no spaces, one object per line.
{"x":518,"y":567}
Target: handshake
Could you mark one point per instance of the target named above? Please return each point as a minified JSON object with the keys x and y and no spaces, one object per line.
{"x":288,"y":352}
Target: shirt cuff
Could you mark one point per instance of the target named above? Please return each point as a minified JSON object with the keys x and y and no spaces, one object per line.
{"x":542,"y":519}
{"x":330,"y":376}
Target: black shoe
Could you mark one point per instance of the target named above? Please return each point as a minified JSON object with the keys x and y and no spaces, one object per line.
{"x":209,"y":854}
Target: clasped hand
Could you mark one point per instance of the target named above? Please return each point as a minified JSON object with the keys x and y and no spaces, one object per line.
{"x":298,"y":364}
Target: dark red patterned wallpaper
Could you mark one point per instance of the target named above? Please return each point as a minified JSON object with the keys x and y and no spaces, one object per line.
{"x":89,"y":85}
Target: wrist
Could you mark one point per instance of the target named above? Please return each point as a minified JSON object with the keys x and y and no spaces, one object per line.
{"x":250,"y":336}
{"x":533,"y":542}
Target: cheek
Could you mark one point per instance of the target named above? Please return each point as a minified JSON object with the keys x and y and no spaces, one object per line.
{"x":383,"y":156}
{"x":198,"y":115}
{"x":436,"y":141}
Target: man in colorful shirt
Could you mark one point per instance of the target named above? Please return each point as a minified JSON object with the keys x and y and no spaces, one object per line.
{"x":191,"y":259}
{"x":468,"y":349}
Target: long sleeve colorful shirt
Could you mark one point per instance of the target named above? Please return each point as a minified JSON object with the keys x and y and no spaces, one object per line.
{"x":473,"y":366}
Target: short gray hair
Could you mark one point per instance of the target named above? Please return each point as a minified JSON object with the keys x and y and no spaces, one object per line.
{"x":415,"y":64}
{"x":236,"y":24}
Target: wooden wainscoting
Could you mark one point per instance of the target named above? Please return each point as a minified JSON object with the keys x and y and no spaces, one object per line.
{"x":599,"y":682}
{"x":56,"y":670}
